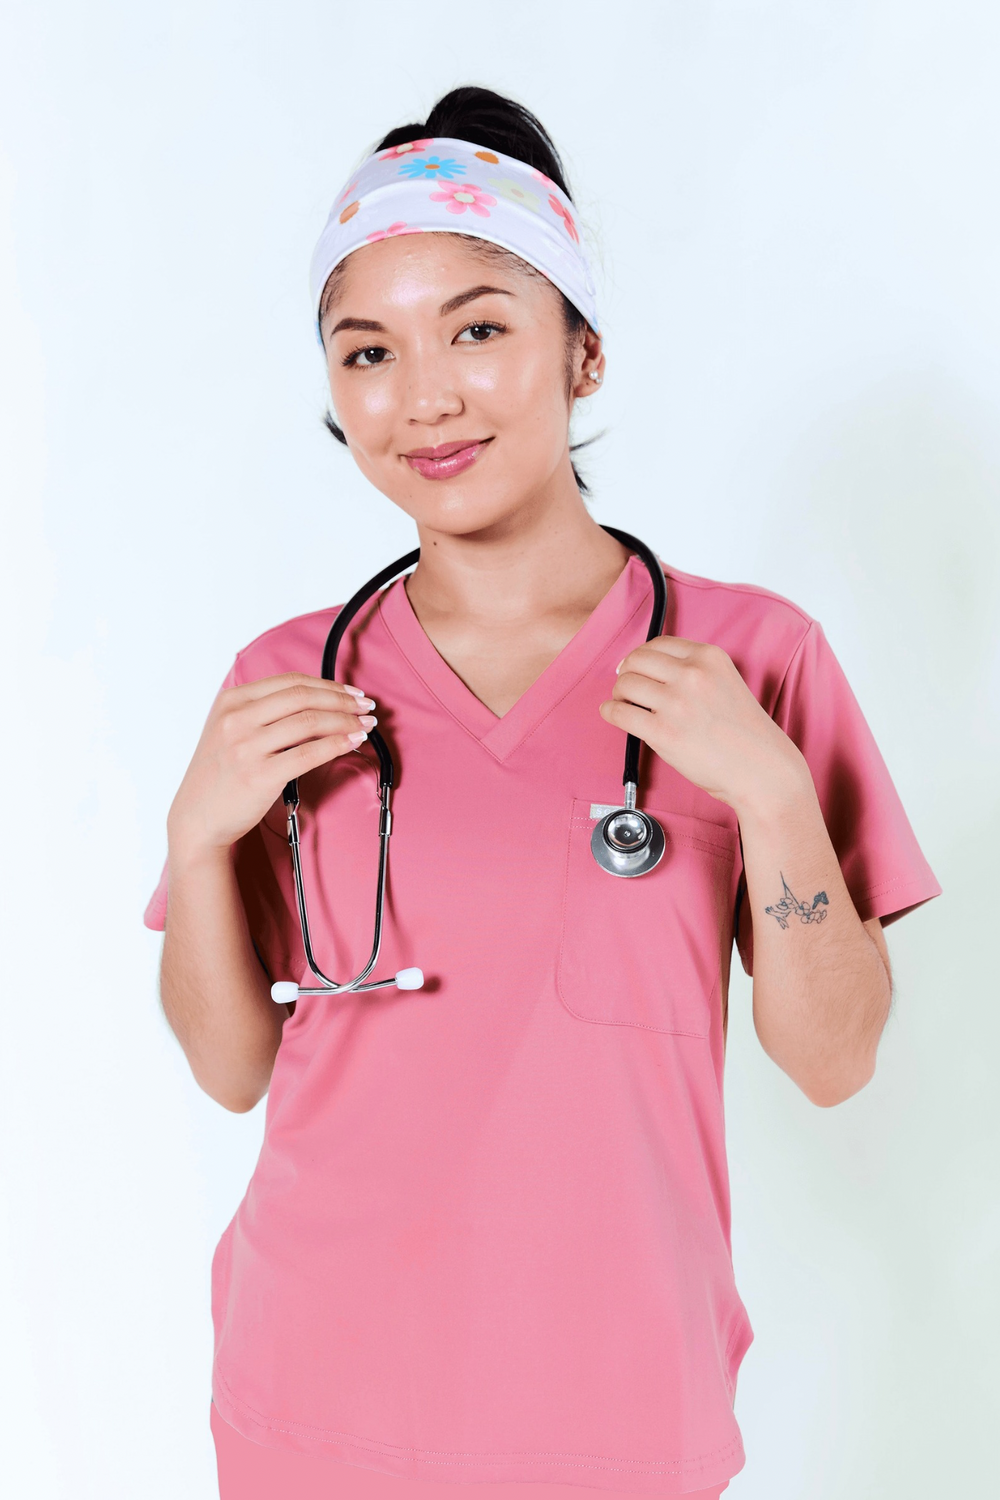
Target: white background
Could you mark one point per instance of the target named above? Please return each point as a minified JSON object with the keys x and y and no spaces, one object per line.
{"x":794,"y":209}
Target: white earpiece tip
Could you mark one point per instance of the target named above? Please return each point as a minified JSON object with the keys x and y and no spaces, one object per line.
{"x":410,"y":979}
{"x":284,"y":992}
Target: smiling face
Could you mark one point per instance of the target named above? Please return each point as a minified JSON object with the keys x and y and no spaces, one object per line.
{"x":451,"y":378}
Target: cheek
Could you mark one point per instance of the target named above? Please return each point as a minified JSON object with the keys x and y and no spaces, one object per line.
{"x":521,"y":385}
{"x":374,"y":401}
{"x":486,"y":377}
{"x":360,"y":403}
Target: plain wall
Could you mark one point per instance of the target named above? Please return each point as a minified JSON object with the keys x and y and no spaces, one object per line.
{"x":793,"y":207}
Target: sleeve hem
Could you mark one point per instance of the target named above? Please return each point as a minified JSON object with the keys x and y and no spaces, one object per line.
{"x":895,"y":898}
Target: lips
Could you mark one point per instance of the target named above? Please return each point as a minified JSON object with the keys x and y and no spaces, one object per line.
{"x":443,"y":450}
{"x":447,"y":459}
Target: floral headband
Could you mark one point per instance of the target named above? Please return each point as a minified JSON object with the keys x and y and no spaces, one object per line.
{"x":457,"y":187}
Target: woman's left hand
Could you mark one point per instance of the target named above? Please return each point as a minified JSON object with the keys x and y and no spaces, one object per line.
{"x":690,"y":705}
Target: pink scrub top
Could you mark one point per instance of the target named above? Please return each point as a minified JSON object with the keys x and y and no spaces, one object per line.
{"x":488,"y":1234}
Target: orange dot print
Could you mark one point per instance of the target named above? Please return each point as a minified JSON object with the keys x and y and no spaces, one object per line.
{"x":350,"y":211}
{"x":488,"y":156}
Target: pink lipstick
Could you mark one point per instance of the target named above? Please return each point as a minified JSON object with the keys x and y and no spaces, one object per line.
{"x":447,"y":459}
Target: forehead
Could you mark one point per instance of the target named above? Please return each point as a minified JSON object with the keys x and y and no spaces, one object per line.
{"x":404,"y":270}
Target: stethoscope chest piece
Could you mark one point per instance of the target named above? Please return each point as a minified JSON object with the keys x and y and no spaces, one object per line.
{"x":627,"y":842}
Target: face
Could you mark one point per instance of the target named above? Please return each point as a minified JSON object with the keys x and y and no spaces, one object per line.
{"x":448,"y":375}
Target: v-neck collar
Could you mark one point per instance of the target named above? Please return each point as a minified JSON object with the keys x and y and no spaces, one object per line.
{"x":614,"y":615}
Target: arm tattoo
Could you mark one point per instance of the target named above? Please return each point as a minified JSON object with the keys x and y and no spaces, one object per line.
{"x":789,"y":906}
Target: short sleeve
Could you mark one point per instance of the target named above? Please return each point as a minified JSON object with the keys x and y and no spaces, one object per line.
{"x":265,"y":902}
{"x":883,"y":865}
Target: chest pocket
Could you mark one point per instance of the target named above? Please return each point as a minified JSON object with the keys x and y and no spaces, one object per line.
{"x":648,"y":951}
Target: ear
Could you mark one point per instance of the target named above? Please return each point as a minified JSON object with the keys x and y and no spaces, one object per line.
{"x":589,"y":361}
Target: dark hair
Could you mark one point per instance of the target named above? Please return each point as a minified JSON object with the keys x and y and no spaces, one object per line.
{"x":499,"y":124}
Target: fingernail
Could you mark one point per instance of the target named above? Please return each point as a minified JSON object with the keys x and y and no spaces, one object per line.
{"x":366,"y":702}
{"x":368,"y":720}
{"x":348,"y":689}
{"x":356,"y":738}
{"x":619,"y":667}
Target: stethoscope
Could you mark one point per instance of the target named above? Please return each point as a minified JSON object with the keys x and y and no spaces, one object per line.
{"x":625,"y":841}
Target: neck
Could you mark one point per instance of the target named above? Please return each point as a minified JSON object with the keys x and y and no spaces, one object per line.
{"x":548,"y":557}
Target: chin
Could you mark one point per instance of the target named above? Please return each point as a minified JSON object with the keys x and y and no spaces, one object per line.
{"x":456,"y":509}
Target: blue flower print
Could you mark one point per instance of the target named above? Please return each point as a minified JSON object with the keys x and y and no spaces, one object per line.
{"x":432,"y":166}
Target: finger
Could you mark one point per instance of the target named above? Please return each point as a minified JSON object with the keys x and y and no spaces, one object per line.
{"x":296,"y":697}
{"x":673,"y":645}
{"x":315,"y":694}
{"x":659,"y":647}
{"x":659,"y":666}
{"x":636,"y":687}
{"x":267,"y":686}
{"x":309,"y":724}
{"x":627,"y":716}
{"x":301,"y":758}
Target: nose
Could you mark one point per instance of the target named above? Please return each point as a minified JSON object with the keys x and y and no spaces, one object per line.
{"x":431,"y":391}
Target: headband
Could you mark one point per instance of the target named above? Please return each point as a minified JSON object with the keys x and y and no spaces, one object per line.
{"x":460,"y":188}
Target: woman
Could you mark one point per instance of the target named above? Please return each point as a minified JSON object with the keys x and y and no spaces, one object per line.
{"x":487,"y":1241}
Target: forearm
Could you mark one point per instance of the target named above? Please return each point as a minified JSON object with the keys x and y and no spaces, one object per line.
{"x":215,"y":994}
{"x":821,"y":990}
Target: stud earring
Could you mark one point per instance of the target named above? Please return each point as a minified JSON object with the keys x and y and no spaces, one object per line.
{"x":594,"y":376}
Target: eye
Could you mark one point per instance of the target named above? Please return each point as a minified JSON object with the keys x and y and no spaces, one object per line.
{"x":372,"y":354}
{"x":480,"y":332}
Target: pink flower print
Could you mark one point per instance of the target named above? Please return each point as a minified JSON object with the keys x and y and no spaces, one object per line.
{"x":566,"y":217}
{"x":346,"y":191}
{"x":406,"y":148}
{"x":398,"y":228}
{"x":542,"y":178}
{"x":462,"y":195}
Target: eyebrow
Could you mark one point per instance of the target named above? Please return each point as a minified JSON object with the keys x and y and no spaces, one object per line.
{"x":454,"y":303}
{"x":369,"y":325}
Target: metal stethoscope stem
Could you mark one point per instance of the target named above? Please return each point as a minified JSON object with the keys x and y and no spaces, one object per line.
{"x":405,"y":978}
{"x":625,"y":842}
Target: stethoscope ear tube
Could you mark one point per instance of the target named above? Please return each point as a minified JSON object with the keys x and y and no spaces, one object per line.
{"x":328,"y":670}
{"x":333,"y":640}
{"x":633,"y":744}
{"x":658,"y":616}
{"x":409,"y":979}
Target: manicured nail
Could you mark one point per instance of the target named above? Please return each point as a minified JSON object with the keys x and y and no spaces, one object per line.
{"x":366,"y":702}
{"x":356,"y":739}
{"x":348,"y":689}
{"x":368,"y":720}
{"x":619,"y":667}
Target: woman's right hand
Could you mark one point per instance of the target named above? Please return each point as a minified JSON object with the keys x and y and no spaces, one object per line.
{"x":257,"y":738}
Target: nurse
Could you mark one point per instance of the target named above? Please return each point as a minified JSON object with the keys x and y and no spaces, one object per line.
{"x":486,"y":1246}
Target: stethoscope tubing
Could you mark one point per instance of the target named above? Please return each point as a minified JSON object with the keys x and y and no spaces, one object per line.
{"x":657,"y":620}
{"x":386,"y":769}
{"x":338,"y":630}
{"x":329,"y":985}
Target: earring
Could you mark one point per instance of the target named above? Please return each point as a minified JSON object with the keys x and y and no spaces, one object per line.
{"x":594,"y":376}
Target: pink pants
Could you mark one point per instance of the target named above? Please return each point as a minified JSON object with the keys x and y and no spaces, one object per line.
{"x":249,"y":1471}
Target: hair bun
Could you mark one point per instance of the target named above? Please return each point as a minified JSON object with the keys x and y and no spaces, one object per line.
{"x":491,"y":120}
